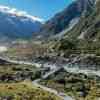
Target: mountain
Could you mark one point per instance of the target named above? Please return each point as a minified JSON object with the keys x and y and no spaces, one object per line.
{"x":17,"y":24}
{"x":67,"y":18}
{"x":88,"y":26}
{"x":84,"y":36}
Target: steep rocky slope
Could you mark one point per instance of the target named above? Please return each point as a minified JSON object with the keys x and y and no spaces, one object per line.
{"x":67,"y":18}
{"x":84,"y":36}
{"x":88,"y":26}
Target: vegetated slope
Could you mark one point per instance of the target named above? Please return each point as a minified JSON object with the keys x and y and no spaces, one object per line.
{"x":85,"y":35}
{"x":88,"y":26}
{"x":79,"y":86}
{"x":66,"y":18}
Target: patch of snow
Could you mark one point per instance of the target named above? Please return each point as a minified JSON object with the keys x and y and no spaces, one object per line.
{"x":81,"y":36}
{"x":73,"y":22}
{"x":3,"y":49}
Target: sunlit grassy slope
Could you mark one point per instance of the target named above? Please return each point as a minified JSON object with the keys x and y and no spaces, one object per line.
{"x":24,"y":91}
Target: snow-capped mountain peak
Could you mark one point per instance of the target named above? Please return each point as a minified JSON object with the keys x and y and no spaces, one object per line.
{"x":16,"y":12}
{"x":15,"y":23}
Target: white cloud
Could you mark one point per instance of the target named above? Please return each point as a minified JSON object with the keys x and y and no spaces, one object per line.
{"x":18,"y":13}
{"x":12,"y":10}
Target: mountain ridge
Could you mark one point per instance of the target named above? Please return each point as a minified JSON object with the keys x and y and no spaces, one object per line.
{"x":62,"y":19}
{"x":17,"y":24}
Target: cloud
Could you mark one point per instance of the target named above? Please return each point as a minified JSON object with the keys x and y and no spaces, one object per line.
{"x":12,"y":10}
{"x":19,"y":13}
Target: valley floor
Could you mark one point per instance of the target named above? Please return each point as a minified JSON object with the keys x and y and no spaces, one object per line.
{"x":64,"y":83}
{"x":16,"y":83}
{"x":26,"y":76}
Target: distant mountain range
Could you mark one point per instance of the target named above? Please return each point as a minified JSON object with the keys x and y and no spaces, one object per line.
{"x":17,"y":24}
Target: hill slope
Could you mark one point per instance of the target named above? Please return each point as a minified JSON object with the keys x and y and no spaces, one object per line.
{"x":84,"y":37}
{"x":67,"y":17}
{"x":88,"y":26}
